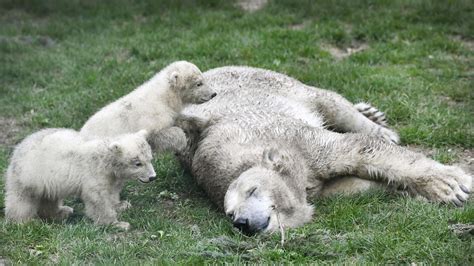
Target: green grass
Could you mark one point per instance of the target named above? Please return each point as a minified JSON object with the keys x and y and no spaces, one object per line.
{"x":60,"y":61}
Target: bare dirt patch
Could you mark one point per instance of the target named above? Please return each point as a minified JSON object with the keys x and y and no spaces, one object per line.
{"x":449,"y":101}
{"x":466,"y":160}
{"x":44,"y":41}
{"x":341,"y":53}
{"x":4,"y":261}
{"x":468,"y":43}
{"x":9,"y":131}
{"x":252,"y":5}
{"x":299,"y":26}
{"x":462,"y":229}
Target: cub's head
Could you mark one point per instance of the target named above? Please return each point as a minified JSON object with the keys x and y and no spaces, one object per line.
{"x":132,"y":157}
{"x":268,"y":195}
{"x":187,"y":80}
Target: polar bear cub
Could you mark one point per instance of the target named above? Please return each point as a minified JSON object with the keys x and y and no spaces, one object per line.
{"x":152,"y":106}
{"x":53,"y":164}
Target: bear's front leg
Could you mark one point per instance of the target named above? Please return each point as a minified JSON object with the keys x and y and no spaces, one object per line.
{"x":371,"y":158}
{"x":100,"y":208}
{"x":441,"y":183}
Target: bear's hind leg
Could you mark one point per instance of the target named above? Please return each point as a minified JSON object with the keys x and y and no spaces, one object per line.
{"x":53,"y":209}
{"x":342,"y":116}
{"x":20,"y":208}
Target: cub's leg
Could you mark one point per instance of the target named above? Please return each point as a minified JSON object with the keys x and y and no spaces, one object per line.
{"x":53,"y":209}
{"x":19,"y":207}
{"x":372,"y":158}
{"x":119,"y":205}
{"x":341,"y":115}
{"x":193,"y":121}
{"x":100,"y":208}
{"x":170,"y":139}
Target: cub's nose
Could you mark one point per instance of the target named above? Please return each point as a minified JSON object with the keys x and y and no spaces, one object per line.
{"x":151,"y":178}
{"x":213,"y":95}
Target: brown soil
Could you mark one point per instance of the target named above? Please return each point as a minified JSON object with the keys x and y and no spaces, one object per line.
{"x":341,"y":53}
{"x":9,"y":131}
{"x":465,"y":156}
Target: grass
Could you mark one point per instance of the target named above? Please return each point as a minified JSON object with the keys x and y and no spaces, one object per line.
{"x":60,"y":61}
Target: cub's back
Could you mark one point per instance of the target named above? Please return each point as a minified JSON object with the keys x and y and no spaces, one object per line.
{"x":42,"y":154}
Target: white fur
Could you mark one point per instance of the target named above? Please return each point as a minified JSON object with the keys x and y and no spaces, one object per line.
{"x":258,"y":109}
{"x":53,"y":164}
{"x":152,"y":106}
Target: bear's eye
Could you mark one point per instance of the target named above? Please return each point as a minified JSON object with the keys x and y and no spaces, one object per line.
{"x":138,"y":164}
{"x":251,"y":191}
{"x":199,"y":84}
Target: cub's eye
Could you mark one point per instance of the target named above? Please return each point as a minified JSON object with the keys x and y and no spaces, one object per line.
{"x":138,"y":164}
{"x":251,"y":191}
{"x":199,"y":84}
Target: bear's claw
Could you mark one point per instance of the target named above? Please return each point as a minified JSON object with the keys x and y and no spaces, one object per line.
{"x":464,"y":189}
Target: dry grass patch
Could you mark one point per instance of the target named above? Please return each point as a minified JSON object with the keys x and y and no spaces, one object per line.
{"x":342,"y":53}
{"x":252,"y":5}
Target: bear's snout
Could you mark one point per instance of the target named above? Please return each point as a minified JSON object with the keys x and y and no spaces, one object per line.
{"x":151,"y":178}
{"x":207,"y":97}
{"x":242,"y":224}
{"x":249,"y":227}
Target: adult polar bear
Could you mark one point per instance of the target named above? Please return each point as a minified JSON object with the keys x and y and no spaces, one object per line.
{"x":260,"y":145}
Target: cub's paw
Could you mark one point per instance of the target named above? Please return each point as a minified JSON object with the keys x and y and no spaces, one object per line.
{"x":64,"y":212}
{"x":179,"y":141}
{"x":122,"y":225}
{"x":449,"y":184}
{"x":123,"y":205}
{"x":171,"y":139}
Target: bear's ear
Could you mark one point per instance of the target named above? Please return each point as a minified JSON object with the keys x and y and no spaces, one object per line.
{"x":273,"y":159}
{"x":115,"y":147}
{"x":173,"y":79}
{"x":143,"y":133}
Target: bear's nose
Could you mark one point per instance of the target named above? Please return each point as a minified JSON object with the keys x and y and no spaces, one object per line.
{"x":243,"y":225}
{"x":213,"y":95}
{"x":151,"y":178}
{"x":248,"y":227}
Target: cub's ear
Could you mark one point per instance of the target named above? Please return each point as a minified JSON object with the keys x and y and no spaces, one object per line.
{"x":143,"y":133}
{"x":273,"y":159}
{"x":115,"y":147}
{"x":173,"y":79}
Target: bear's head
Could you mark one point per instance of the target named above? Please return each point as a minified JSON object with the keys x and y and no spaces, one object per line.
{"x":187,"y":81}
{"x":132,"y":157}
{"x":269,"y":195}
